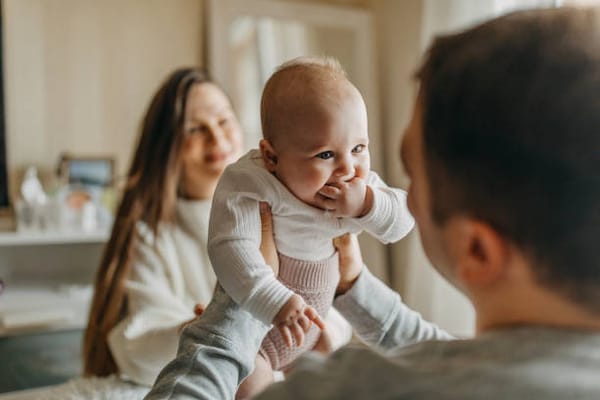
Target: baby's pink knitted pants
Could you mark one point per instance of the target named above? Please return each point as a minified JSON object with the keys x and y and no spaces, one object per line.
{"x":316,"y":282}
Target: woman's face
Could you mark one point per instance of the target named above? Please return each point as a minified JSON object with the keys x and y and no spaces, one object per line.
{"x":213,"y":139}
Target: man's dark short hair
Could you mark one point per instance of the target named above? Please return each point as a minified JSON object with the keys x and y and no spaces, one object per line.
{"x":511,"y":116}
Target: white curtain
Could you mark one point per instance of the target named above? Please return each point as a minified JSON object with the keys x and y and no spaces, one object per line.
{"x":258,"y":46}
{"x":440,"y":16}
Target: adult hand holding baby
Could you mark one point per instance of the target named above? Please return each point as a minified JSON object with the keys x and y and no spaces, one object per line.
{"x":351,"y":262}
{"x":267,"y":240}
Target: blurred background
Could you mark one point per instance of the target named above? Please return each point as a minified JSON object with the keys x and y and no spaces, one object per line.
{"x":77,"y":76}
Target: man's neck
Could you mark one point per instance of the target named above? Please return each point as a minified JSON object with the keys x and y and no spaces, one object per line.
{"x":538,"y":311}
{"x":522,"y":301}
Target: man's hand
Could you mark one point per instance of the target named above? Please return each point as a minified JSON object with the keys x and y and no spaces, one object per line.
{"x":295,"y":319}
{"x":267,"y":240}
{"x":352,"y":199}
{"x":351,"y":262}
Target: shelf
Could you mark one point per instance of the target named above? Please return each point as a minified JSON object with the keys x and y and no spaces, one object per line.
{"x":35,"y":309}
{"x":49,"y":237}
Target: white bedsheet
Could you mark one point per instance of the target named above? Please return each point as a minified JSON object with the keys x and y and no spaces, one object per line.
{"x":110,"y":388}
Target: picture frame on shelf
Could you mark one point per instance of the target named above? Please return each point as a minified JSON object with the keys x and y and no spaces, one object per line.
{"x":87,"y":171}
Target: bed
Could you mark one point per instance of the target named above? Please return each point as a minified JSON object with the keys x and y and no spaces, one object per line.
{"x":109,"y":388}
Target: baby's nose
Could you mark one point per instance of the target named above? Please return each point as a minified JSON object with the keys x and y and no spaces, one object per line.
{"x":345,"y":170}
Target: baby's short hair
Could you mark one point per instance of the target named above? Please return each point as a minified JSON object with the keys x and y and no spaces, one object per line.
{"x":325,"y":64}
{"x":302,"y":79}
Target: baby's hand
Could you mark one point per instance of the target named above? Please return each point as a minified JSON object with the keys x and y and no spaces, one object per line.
{"x":294,"y":320}
{"x":346,"y":199}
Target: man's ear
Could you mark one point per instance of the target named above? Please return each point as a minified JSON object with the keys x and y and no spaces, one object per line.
{"x":481,"y":253}
{"x":269,"y":155}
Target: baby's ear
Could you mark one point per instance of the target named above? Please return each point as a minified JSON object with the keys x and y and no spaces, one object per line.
{"x":269,"y":155}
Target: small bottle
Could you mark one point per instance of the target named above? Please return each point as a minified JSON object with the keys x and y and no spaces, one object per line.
{"x":89,"y":222}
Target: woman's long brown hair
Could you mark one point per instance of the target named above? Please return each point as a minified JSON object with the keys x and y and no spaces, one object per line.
{"x":149,"y":195}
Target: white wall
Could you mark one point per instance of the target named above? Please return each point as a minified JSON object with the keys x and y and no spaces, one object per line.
{"x":79,"y":73}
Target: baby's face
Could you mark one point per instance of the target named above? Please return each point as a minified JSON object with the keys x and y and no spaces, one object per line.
{"x":325,"y":151}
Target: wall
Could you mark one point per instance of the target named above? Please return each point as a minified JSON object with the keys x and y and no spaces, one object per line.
{"x":79,"y":73}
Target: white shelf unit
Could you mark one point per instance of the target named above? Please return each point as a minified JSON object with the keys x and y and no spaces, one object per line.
{"x":48,"y":279}
{"x":27,"y":309}
{"x":52,"y":237}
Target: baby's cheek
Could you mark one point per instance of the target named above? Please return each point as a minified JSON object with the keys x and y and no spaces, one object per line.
{"x":362,"y":171}
{"x":365,"y":166}
{"x":318,"y":176}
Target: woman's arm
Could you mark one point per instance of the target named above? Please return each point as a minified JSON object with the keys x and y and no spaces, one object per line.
{"x":215,"y":354}
{"x":157,"y":306}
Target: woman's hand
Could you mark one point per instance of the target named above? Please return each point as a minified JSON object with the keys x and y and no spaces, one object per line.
{"x":351,"y":262}
{"x":198,"y":310}
{"x":267,"y":241}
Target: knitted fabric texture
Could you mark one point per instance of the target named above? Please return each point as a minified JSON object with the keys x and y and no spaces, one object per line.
{"x":315,"y":282}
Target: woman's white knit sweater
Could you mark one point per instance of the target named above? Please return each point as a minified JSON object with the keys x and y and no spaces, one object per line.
{"x":170,"y":274}
{"x":301,"y":231}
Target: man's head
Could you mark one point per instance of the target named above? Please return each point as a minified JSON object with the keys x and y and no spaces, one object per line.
{"x":314,"y":123}
{"x":507,"y":130}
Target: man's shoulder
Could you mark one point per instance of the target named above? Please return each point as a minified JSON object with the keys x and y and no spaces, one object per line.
{"x":511,"y":345}
{"x":519,"y":362}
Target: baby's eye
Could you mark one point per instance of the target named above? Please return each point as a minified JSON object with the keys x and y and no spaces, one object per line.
{"x":359,"y":148}
{"x":223,"y":121}
{"x":325,"y":155}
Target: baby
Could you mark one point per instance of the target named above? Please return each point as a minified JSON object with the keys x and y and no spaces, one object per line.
{"x":313,"y":169}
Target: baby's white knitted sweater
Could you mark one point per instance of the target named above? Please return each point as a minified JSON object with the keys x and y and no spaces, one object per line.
{"x":301,"y":231}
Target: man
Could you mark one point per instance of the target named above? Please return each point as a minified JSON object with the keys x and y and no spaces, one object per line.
{"x":503,"y":152}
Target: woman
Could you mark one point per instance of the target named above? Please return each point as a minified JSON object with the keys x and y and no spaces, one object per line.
{"x":155,"y":272}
